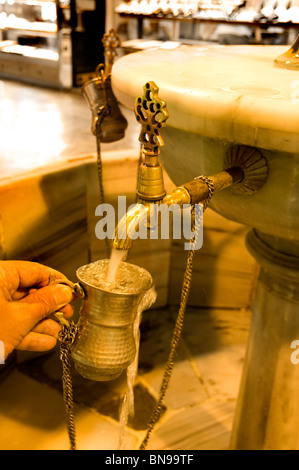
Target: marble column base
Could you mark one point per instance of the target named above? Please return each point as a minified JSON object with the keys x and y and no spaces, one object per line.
{"x":267,"y":414}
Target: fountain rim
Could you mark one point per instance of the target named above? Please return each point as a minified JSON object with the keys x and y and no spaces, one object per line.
{"x":209,"y":110}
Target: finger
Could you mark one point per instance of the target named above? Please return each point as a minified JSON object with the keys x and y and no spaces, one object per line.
{"x":68,"y":311}
{"x":47,"y":327}
{"x":22,"y":292}
{"x":19,"y":294}
{"x":37,"y":342}
{"x":31,"y":291}
{"x":32,"y":274}
{"x":45,"y":301}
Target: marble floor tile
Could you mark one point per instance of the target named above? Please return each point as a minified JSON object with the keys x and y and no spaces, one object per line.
{"x":32,"y":417}
{"x":104,"y":398}
{"x":199,"y":403}
{"x":157,"y":330}
{"x":221,"y":371}
{"x":202,"y":427}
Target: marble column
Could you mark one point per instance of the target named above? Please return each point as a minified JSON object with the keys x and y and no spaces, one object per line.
{"x":267,"y":414}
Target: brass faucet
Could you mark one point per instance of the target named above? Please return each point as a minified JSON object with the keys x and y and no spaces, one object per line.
{"x":245,"y":166}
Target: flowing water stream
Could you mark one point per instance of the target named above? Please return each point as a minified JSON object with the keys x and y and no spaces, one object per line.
{"x":127,"y":406}
{"x":118,"y":277}
{"x":127,"y":227}
{"x":116,"y":257}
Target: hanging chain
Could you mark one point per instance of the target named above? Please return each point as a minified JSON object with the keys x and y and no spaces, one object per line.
{"x":66,"y":337}
{"x":211,"y":189}
{"x":102,"y":113}
{"x":68,"y":330}
{"x":178,"y":328}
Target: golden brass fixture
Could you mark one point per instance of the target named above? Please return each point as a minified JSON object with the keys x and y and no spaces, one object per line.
{"x":244,"y":167}
{"x":197,"y":190}
{"x":194,"y":192}
{"x":111,"y":42}
{"x":290,"y":59}
{"x":108,"y":123}
{"x":104,"y":346}
{"x":151,"y":113}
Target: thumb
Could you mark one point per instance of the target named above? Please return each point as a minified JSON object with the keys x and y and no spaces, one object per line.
{"x":47,"y":300}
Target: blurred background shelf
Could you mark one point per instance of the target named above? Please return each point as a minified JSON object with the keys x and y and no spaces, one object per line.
{"x":67,"y":32}
{"x":267,"y":21}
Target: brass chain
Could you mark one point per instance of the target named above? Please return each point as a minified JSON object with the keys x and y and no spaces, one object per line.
{"x":178,"y":328}
{"x":102,"y":112}
{"x":211,"y":189}
{"x":66,"y":337}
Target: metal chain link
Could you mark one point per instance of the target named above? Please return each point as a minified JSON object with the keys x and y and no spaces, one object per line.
{"x":66,"y":337}
{"x":211,"y":188}
{"x":178,"y":328}
{"x":102,"y":112}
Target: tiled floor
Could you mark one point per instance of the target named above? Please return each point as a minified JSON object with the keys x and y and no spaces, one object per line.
{"x":199,"y":404}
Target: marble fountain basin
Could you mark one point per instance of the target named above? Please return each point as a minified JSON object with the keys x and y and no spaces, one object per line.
{"x":219,"y":96}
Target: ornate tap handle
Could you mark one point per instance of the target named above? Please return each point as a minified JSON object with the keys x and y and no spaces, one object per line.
{"x":152,"y":114}
{"x":111,"y":42}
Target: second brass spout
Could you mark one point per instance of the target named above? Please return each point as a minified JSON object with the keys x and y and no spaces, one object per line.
{"x":194,"y":192}
{"x":197,"y":191}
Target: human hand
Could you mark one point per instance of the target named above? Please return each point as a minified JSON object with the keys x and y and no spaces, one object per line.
{"x":26,"y":300}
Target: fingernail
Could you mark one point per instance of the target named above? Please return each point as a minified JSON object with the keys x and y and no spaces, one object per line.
{"x":63,"y":295}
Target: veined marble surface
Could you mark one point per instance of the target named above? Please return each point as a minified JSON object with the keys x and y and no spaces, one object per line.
{"x":42,"y":128}
{"x":224,"y":92}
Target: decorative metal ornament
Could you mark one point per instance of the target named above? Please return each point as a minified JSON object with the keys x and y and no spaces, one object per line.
{"x":253,"y":164}
{"x":111,"y":41}
{"x":152,"y":114}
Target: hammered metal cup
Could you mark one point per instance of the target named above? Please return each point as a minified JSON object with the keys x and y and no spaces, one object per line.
{"x":105,"y":344}
{"x":104,"y":107}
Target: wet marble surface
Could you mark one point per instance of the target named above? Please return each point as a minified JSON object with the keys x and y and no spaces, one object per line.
{"x":234,"y":93}
{"x":199,"y":404}
{"x":42,"y":127}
